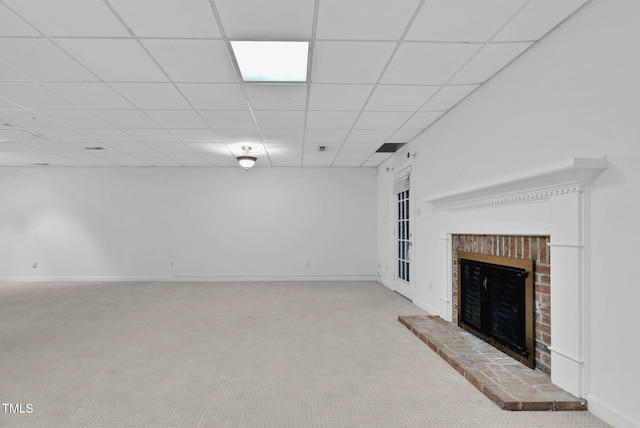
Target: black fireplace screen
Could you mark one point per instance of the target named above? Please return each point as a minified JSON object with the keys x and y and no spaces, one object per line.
{"x":494,"y":304}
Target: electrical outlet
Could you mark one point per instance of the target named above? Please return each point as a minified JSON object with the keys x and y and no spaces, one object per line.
{"x":308,"y":263}
{"x":171,"y":263}
{"x":34,"y":264}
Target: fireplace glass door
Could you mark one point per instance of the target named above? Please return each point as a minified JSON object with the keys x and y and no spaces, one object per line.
{"x":494,"y":305}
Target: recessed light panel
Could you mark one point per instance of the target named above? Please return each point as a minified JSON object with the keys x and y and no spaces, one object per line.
{"x":272,"y":61}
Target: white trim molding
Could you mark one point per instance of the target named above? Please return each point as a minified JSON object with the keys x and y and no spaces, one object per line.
{"x":546,"y":201}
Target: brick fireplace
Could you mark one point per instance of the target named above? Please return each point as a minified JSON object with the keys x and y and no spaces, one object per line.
{"x":523,"y":248}
{"x":540,"y":213}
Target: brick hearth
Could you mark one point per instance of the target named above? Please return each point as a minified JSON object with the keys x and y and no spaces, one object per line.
{"x":508,"y":383}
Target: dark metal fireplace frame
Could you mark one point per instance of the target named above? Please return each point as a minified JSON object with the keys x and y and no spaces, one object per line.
{"x":527,"y":355}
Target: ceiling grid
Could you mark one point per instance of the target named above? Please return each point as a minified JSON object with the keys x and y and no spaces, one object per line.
{"x":155,"y":82}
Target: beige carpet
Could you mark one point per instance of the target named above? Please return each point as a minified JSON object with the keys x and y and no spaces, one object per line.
{"x":321,"y":354}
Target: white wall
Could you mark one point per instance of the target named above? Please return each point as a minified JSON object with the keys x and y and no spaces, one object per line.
{"x":214,"y":223}
{"x":574,"y":94}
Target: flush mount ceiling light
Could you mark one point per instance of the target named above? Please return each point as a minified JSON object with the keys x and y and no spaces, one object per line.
{"x":246,"y":160}
{"x":272,"y":61}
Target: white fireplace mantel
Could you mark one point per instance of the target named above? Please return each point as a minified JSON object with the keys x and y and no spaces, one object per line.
{"x":531,"y":185}
{"x":545,"y":201}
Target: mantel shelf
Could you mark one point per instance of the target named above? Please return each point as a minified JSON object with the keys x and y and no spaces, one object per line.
{"x":565,"y":177}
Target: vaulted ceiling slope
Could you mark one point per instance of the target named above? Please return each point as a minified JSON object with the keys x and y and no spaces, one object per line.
{"x":155,"y":83}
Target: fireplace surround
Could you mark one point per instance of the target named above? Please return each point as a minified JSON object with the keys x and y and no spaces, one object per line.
{"x":548,"y":201}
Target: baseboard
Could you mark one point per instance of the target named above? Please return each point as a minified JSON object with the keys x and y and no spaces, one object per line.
{"x":431,"y":310}
{"x":385,"y":283}
{"x":232,"y":278}
{"x":611,"y":414}
{"x":193,"y":278}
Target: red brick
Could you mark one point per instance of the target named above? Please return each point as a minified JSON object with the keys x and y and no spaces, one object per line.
{"x":543,"y":289}
{"x":543,"y":269}
{"x":537,"y":405}
{"x":571,"y":405}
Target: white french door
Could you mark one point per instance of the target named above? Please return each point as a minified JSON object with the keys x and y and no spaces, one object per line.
{"x":403,"y":234}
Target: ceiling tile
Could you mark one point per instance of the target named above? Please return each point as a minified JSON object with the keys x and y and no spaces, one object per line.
{"x":325,"y":135}
{"x":152,"y":96}
{"x":381,"y":120}
{"x":70,"y":17}
{"x":338,"y":97}
{"x":210,"y":147}
{"x":330,"y":148}
{"x":176,"y":118}
{"x":193,"y":60}
{"x":168,"y":18}
{"x":399,"y":97}
{"x":427,"y":63}
{"x":126,"y":118}
{"x":350,"y":62}
{"x":89,"y":95}
{"x":228,"y":118}
{"x":15,"y":135}
{"x":461,"y":20}
{"x":157,"y":159}
{"x":282,"y":160}
{"x":422,"y":119}
{"x":12,"y":25}
{"x":64,"y":135}
{"x":41,"y":60}
{"x":261,"y":20}
{"x":369,"y":136}
{"x":331,"y":119}
{"x":286,"y":136}
{"x":26,"y":119}
{"x":489,"y":60}
{"x":31,"y":95}
{"x":172,"y":148}
{"x":114,"y":59}
{"x":264,"y":96}
{"x":77,"y":119}
{"x":196,"y":135}
{"x":152,"y":135}
{"x":8,"y":74}
{"x":189,"y":159}
{"x":132,"y":147}
{"x":116,"y":157}
{"x":404,"y":135}
{"x":361,"y":148}
{"x":6,"y":105}
{"x":448,"y":97}
{"x":210,"y":96}
{"x":350,"y":159}
{"x":230,"y":136}
{"x":270,"y":119}
{"x":108,"y":135}
{"x":537,"y":19}
{"x":364,"y":19}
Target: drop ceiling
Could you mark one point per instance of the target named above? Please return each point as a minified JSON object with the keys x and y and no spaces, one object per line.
{"x":154,"y":82}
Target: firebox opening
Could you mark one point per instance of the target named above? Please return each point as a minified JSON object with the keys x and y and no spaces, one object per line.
{"x":495,"y":302}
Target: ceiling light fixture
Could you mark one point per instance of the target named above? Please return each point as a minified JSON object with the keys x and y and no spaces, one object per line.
{"x":264,"y":61}
{"x":246,"y":160}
